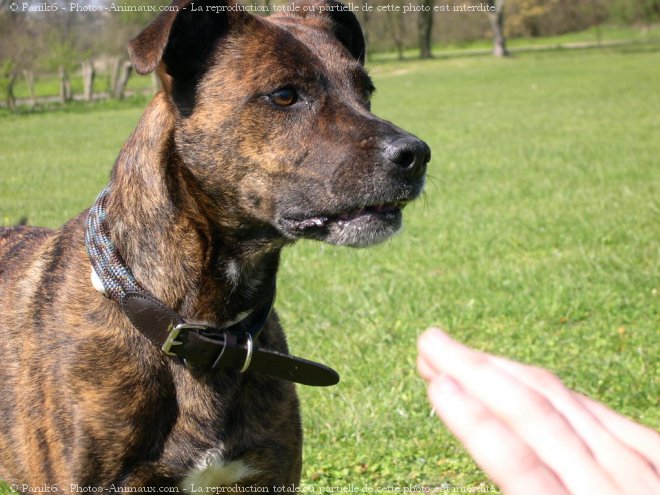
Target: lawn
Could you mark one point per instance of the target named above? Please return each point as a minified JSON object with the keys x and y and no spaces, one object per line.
{"x":538,"y":238}
{"x":49,"y":84}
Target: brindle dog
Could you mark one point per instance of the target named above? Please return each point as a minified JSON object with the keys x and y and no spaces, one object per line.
{"x":262,"y":135}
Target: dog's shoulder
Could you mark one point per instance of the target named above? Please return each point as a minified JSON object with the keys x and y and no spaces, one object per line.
{"x":17,"y":242}
{"x":14,"y":240}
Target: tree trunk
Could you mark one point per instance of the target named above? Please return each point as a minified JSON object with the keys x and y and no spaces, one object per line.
{"x":65,"y":85}
{"x":29,"y":79}
{"x":496,"y":18}
{"x":400,"y":30}
{"x":113,"y":74}
{"x":10,"y":98}
{"x":365,"y":29}
{"x":88,"y":74}
{"x":394,"y":23}
{"x":124,"y":74}
{"x":425,"y":26}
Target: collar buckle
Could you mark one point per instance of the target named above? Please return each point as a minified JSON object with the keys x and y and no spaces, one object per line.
{"x":248,"y":354}
{"x":174,"y":332}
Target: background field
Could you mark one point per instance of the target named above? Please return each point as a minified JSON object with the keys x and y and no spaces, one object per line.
{"x":538,"y":238}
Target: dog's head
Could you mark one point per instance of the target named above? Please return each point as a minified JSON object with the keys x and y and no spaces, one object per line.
{"x":274,"y":124}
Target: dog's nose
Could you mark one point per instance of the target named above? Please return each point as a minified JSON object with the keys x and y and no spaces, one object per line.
{"x":409,"y":154}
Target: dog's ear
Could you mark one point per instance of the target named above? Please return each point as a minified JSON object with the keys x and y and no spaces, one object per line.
{"x":180,"y":41}
{"x":347,"y":29}
{"x":146,"y":49}
{"x":345,"y":25}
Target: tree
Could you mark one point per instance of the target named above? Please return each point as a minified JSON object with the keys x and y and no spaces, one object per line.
{"x":125,"y":72}
{"x":425,"y":27}
{"x":61,"y":57}
{"x":118,"y":29}
{"x":395,"y":27}
{"x":629,"y":11}
{"x":8,"y":73}
{"x":29,"y":80}
{"x":366,"y":30}
{"x":527,"y":17}
{"x":88,"y":74}
{"x":496,"y":19}
{"x":16,"y":56}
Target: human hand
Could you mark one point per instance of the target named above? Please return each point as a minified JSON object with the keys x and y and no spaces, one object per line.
{"x":529,"y":432}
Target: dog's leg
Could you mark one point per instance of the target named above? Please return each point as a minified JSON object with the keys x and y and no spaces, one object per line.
{"x":149,"y":475}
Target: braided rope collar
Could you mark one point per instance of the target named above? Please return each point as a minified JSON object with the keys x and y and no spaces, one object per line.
{"x":110,"y":274}
{"x":200,"y":347}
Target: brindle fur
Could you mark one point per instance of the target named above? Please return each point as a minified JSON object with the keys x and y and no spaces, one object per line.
{"x":85,"y":399}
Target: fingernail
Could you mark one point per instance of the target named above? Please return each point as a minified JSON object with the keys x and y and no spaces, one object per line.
{"x":433,"y":335}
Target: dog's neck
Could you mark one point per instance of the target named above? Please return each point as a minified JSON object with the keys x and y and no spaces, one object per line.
{"x":159,"y":225}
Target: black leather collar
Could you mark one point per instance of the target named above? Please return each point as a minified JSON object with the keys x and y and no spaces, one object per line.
{"x":207,"y":348}
{"x":201,"y":347}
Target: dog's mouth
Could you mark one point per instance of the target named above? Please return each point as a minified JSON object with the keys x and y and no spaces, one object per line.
{"x":358,"y":227}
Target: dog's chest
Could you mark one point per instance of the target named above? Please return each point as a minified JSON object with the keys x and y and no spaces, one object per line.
{"x":213,"y":470}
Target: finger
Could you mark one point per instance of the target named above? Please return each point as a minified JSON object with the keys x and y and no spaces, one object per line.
{"x":528,"y":413}
{"x":424,"y":369}
{"x":423,"y":351}
{"x":643,"y":440}
{"x":626,"y":466}
{"x":507,"y":459}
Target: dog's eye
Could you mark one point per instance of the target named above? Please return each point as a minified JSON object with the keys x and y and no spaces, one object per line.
{"x":369,"y":92}
{"x":366,"y":96}
{"x":284,"y":97}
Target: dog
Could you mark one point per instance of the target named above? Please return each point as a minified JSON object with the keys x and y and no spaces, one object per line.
{"x":139,"y":346}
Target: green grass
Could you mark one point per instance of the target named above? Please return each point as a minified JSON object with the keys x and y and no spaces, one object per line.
{"x":538,"y":238}
{"x":49,"y":84}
